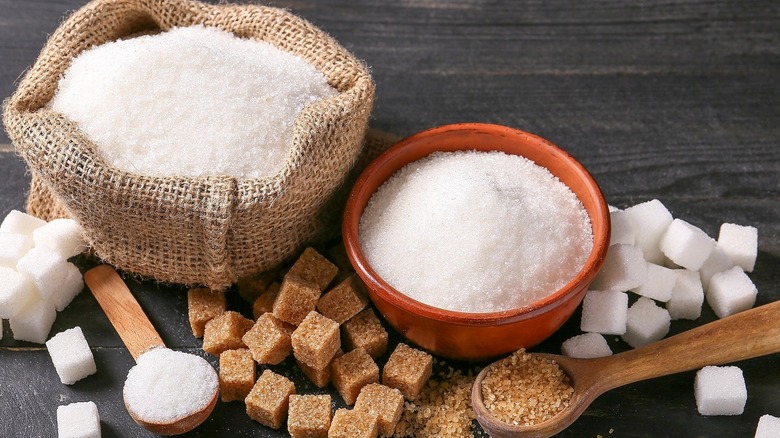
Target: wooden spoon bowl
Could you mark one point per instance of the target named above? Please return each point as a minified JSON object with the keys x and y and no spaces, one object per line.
{"x":746,"y":335}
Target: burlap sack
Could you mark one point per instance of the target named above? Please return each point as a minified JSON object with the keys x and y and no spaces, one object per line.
{"x":210,"y":230}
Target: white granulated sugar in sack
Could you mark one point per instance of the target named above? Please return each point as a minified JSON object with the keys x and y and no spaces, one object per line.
{"x":192,"y":101}
{"x":165,"y":385}
{"x":33,"y":322}
{"x":686,"y":245}
{"x":624,"y":268}
{"x":731,"y":292}
{"x":720,"y":391}
{"x":622,"y":229}
{"x":475,"y":231}
{"x":646,"y":323}
{"x":687,"y":296}
{"x":659,"y":283}
{"x":64,"y":236}
{"x":718,"y":261}
{"x":71,"y":356}
{"x":71,"y":286}
{"x":45,"y":267}
{"x":78,"y":420}
{"x":740,"y":243}
{"x":586,"y":346}
{"x":649,"y":220}
{"x":604,"y":312}
{"x":768,"y":427}
{"x":16,"y":290}
{"x":13,"y":246}
{"x":21,"y":223}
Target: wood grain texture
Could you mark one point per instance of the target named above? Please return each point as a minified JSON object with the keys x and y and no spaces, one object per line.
{"x":669,"y":99}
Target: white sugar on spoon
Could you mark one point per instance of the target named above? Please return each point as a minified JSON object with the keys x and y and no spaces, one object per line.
{"x":166,"y":392}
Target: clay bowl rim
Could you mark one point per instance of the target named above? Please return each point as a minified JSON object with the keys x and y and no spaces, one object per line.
{"x":375,"y":283}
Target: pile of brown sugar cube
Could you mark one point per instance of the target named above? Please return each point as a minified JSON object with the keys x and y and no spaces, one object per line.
{"x":335,"y":338}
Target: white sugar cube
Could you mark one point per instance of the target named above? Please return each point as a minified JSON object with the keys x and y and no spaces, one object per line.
{"x":687,"y":296}
{"x":21,"y":223}
{"x":686,"y":245}
{"x":718,"y":261}
{"x":740,"y":243}
{"x":612,"y":208}
{"x":46,"y":268}
{"x":71,"y":286}
{"x":768,"y":427}
{"x":624,"y":268}
{"x":16,"y":291}
{"x":586,"y":346}
{"x":720,"y":391}
{"x":622,"y":230}
{"x":13,"y":246}
{"x":658,"y":284}
{"x":64,"y":236}
{"x":34,"y":321}
{"x":71,"y":355}
{"x":646,"y":323}
{"x":731,"y":292}
{"x":78,"y":420}
{"x":650,"y":220}
{"x":604,"y":312}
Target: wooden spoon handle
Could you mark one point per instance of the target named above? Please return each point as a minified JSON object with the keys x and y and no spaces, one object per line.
{"x":748,"y":334}
{"x":122,"y":309}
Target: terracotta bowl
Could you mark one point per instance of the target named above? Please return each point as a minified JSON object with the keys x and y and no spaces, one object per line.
{"x":477,"y":336}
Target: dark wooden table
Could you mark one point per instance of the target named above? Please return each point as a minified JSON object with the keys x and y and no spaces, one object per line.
{"x":676,"y":100}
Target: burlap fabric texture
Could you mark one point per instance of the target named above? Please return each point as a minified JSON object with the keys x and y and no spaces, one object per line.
{"x":211,"y":230}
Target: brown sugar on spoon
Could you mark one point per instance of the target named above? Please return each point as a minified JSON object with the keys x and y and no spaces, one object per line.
{"x":526,"y":389}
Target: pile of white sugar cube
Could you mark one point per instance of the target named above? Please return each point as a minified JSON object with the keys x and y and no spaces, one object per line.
{"x":672,"y":266}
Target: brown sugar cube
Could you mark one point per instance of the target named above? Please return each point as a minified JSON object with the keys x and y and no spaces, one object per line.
{"x":249,"y":288}
{"x":353,"y":424}
{"x":224,"y":333}
{"x":265,"y":302}
{"x":384,"y":402}
{"x":351,"y":372}
{"x":320,"y":377}
{"x":269,"y":340}
{"x":343,"y":301}
{"x":407,"y":369}
{"x":203,"y":305}
{"x":297,"y":297}
{"x":236,"y":374}
{"x":309,"y":416}
{"x":316,"y":340}
{"x":313,"y":267}
{"x":268,"y":401}
{"x":365,"y":331}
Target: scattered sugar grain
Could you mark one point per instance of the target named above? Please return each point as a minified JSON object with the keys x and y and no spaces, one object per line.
{"x":768,"y":427}
{"x":720,"y":391}
{"x":731,"y":292}
{"x":586,"y":346}
{"x":740,"y":243}
{"x":165,"y":385}
{"x":604,"y":312}
{"x":21,"y":223}
{"x":78,"y":420}
{"x":192,"y":101}
{"x":70,"y":353}
{"x":439,"y":225}
{"x":646,"y":323}
{"x":525,"y":389}
{"x":13,"y":246}
{"x":687,"y":296}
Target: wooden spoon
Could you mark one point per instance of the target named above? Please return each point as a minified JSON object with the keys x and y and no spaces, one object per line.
{"x":746,"y":335}
{"x":139,"y":336}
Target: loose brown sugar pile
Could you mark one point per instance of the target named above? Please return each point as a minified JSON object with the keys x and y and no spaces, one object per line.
{"x":443,"y":408}
{"x":525,"y":389}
